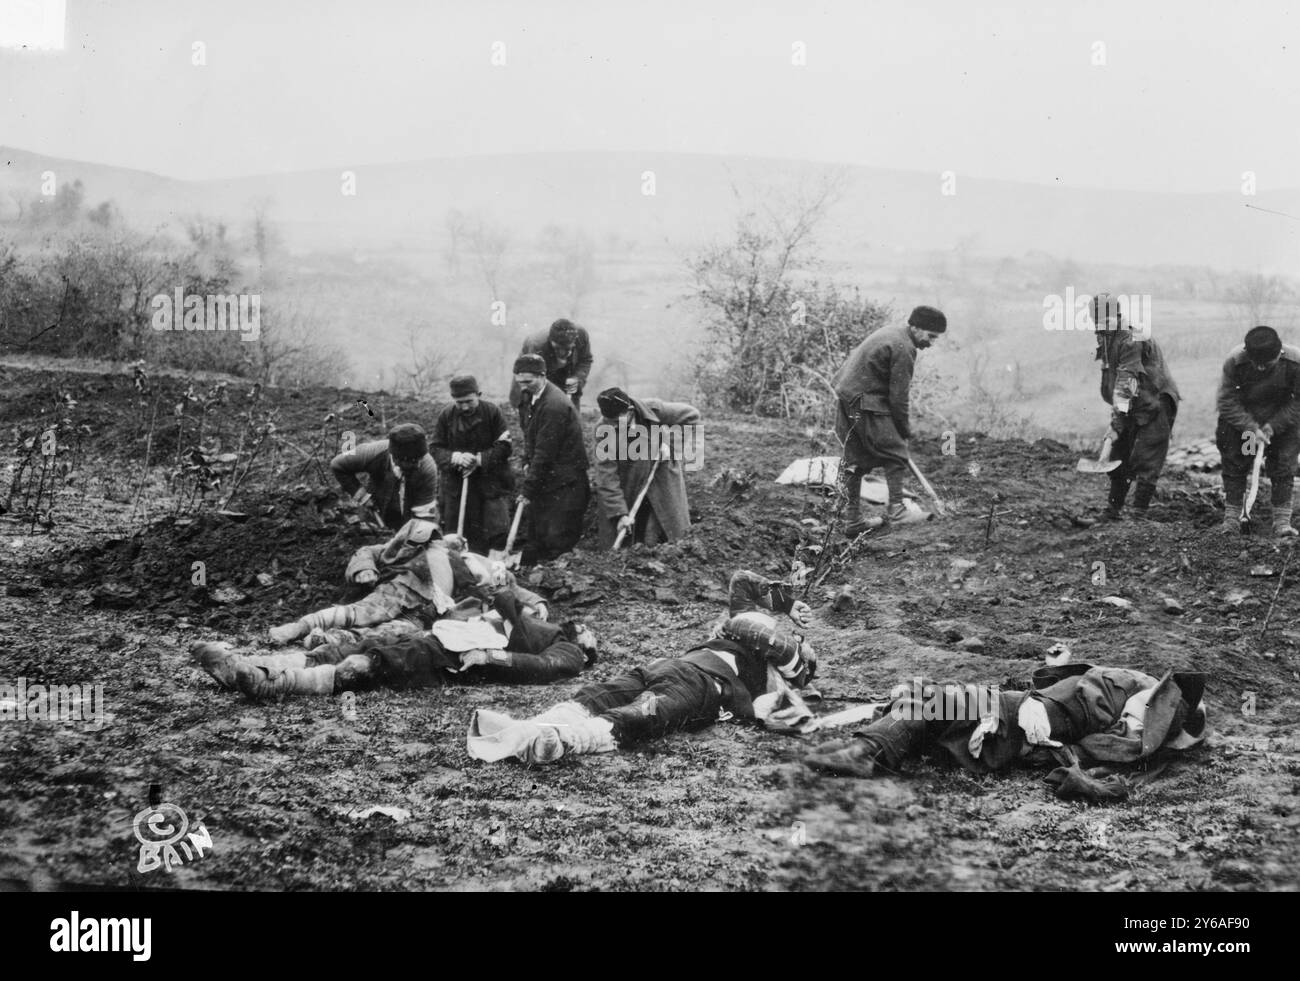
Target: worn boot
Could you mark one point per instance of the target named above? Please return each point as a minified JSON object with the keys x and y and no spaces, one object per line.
{"x":289,"y":632}
{"x":1282,"y":523}
{"x":896,"y":512}
{"x":353,"y":671}
{"x":1231,"y":520}
{"x":1142,"y":501}
{"x":260,"y":683}
{"x":855,"y":760}
{"x":218,"y":659}
{"x":1115,"y":500}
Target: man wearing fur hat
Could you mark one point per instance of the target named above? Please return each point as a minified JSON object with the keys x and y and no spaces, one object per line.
{"x":566,"y":349}
{"x":555,"y":487}
{"x":1259,"y":408}
{"x":631,"y":434}
{"x":873,"y":390}
{"x":399,"y":472}
{"x":472,"y":439}
{"x":740,"y":671}
{"x":1083,"y":716}
{"x":1136,"y":383}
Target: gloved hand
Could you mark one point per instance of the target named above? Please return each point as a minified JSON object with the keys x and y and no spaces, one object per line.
{"x":571,"y":386}
{"x":626,"y":523}
{"x":1112,"y":434}
{"x":801,"y":613}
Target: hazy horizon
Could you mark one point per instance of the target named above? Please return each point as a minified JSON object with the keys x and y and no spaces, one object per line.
{"x":1104,"y":95}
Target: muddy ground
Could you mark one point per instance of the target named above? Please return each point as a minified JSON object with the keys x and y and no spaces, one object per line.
{"x":99,"y":587}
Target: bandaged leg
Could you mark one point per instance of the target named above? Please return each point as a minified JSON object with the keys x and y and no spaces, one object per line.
{"x":260,"y":682}
{"x":567,"y":727}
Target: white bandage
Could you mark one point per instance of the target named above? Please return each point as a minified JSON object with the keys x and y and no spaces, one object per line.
{"x":1033,"y":719}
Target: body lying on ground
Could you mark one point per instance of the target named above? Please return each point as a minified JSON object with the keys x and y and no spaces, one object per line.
{"x":506,"y":646}
{"x":1085,"y":717}
{"x":746,"y":660}
{"x":417,"y":575}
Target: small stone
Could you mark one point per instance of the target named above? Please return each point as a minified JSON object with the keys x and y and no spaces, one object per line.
{"x":1172,"y":606}
{"x":1119,"y":602}
{"x":1261,"y":571}
{"x":666,"y":596}
{"x":266,"y":579}
{"x":972,"y":644}
{"x":227,"y":595}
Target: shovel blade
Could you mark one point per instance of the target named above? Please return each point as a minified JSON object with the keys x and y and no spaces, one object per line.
{"x":1096,"y":466}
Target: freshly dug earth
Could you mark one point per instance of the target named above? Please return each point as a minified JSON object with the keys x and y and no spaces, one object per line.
{"x":98,"y":591}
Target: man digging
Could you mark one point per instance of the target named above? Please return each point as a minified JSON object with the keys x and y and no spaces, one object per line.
{"x":872,"y":390}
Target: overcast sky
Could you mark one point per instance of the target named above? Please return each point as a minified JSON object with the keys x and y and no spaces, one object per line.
{"x":1191,"y":94}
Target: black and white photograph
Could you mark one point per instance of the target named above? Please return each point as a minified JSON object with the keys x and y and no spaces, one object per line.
{"x":515,"y":447}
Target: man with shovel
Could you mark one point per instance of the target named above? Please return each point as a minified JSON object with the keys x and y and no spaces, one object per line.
{"x":471,"y":445}
{"x":399,"y":471}
{"x":640,"y":449}
{"x":555,"y":487}
{"x":1136,"y":383}
{"x":1259,"y":414}
{"x":872,"y":390}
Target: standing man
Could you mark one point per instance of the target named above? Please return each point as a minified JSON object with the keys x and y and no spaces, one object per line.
{"x":1136,"y":383}
{"x":566,"y":350}
{"x":399,"y":470}
{"x":1259,"y":406}
{"x":872,"y":390}
{"x":472,"y":439}
{"x":555,"y":488}
{"x":652,"y":426}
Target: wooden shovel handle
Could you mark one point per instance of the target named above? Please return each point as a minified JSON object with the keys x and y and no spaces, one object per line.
{"x":637,"y":505}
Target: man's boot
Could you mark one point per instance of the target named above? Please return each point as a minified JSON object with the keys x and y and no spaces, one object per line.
{"x":1115,"y":500}
{"x":853,"y":523}
{"x":1282,"y":523}
{"x":1231,"y":520}
{"x":1142,"y":501}
{"x":896,"y":512}
{"x":855,"y":760}
{"x":259,"y":683}
{"x":219,"y":660}
{"x":289,"y":632}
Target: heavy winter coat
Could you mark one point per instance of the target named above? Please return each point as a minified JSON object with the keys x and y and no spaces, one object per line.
{"x":618,"y":482}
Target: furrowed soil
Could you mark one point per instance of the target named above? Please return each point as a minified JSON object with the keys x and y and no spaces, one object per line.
{"x":100,"y":587}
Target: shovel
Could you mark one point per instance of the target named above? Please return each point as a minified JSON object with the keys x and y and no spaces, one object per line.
{"x":939,"y":507}
{"x":1253,"y":492}
{"x":1103,"y":463}
{"x":637,"y":505}
{"x":464,"y":496}
{"x":500,"y":555}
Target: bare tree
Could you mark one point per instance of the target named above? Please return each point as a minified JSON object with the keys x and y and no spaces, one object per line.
{"x":1259,"y":299}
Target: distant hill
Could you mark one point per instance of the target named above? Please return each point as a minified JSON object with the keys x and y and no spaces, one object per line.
{"x":404,"y":205}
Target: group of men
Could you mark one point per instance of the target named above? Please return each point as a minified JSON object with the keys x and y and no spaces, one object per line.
{"x":436,"y":608}
{"x":1258,"y":409}
{"x":467,"y":465}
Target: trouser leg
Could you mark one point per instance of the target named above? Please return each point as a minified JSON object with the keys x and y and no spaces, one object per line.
{"x":677,"y":696}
